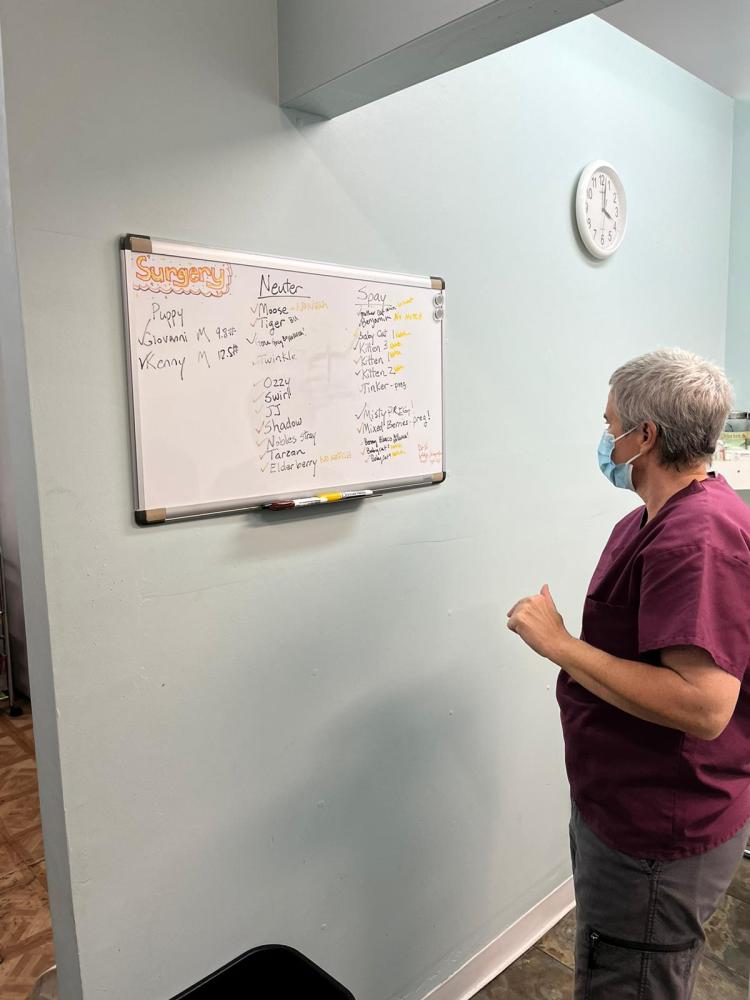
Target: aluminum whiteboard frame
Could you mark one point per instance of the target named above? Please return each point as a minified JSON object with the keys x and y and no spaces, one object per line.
{"x":146,"y":244}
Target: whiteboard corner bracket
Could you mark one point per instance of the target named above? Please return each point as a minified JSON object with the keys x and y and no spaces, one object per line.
{"x":136,"y":243}
{"x":157,"y":515}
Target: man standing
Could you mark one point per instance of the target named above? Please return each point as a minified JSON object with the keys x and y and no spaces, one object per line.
{"x":655,"y":695}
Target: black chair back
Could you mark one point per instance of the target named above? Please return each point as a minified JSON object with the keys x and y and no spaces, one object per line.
{"x":269,"y":972}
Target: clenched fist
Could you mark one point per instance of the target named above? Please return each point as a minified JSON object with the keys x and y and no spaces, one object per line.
{"x":539,"y":623}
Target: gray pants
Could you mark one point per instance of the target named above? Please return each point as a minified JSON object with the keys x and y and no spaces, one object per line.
{"x":639,"y":923}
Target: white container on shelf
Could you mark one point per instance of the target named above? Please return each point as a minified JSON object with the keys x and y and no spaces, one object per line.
{"x":735,"y":468}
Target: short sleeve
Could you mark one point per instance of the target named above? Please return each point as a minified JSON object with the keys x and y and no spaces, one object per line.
{"x":696,"y":595}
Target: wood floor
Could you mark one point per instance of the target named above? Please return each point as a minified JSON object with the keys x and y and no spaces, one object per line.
{"x":25,"y":932}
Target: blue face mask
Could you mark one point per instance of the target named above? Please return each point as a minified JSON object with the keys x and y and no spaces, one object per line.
{"x":619,"y":474}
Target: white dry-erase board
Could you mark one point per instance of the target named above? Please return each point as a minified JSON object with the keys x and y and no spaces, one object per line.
{"x":256,"y":378}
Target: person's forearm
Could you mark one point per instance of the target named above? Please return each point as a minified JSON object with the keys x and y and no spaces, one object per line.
{"x":655,"y":694}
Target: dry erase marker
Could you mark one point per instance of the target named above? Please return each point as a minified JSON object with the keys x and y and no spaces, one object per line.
{"x":351,"y":495}
{"x":314,"y":501}
{"x":289,"y":504}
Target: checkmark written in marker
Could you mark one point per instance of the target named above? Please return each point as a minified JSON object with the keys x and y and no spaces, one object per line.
{"x":264,"y":467}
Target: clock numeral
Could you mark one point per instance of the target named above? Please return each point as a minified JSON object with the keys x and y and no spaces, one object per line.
{"x":594,"y":234}
{"x":614,"y":197}
{"x":617,"y":212}
{"x":589,"y":223}
{"x":602,"y":241}
{"x":610,"y":236}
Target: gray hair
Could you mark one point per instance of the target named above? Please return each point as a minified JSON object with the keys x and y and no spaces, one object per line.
{"x":687,"y":397}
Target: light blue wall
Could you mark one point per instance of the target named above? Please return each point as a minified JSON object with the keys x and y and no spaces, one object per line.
{"x":20,"y":529}
{"x":738,"y":316}
{"x":321,"y":732}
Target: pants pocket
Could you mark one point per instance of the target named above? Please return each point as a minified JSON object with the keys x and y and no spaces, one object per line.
{"x":635,"y":970}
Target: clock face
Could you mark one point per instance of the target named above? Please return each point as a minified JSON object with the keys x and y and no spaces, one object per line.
{"x":601,"y":209}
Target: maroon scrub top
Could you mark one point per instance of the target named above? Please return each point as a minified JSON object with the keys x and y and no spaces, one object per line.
{"x":682,"y":578}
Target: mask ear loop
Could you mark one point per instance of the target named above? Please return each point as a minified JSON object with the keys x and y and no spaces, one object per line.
{"x":631,"y":460}
{"x":623,"y":435}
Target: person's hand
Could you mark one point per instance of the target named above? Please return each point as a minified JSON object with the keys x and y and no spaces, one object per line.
{"x":539,"y":623}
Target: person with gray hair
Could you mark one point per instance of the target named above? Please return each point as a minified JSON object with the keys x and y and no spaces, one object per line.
{"x":655,"y":695}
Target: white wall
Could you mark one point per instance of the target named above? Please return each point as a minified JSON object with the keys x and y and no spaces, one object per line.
{"x":345,"y":35}
{"x":738,"y":319}
{"x":337,"y":55}
{"x":709,"y":39}
{"x":320,"y":731}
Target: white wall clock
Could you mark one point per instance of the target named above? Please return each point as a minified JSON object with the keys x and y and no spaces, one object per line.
{"x":601,"y":209}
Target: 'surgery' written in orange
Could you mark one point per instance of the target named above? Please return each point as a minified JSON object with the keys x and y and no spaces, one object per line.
{"x":190,"y":279}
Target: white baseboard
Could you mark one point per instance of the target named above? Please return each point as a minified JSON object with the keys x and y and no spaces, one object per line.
{"x":507,"y":947}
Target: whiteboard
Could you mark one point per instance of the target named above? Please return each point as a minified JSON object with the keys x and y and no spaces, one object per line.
{"x":255,"y":378}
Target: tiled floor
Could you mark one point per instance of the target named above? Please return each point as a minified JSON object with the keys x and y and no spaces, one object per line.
{"x":543,"y":973}
{"x":25,"y":931}
{"x":546,"y":972}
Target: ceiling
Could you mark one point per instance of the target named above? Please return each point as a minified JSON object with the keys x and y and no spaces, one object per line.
{"x":709,"y":38}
